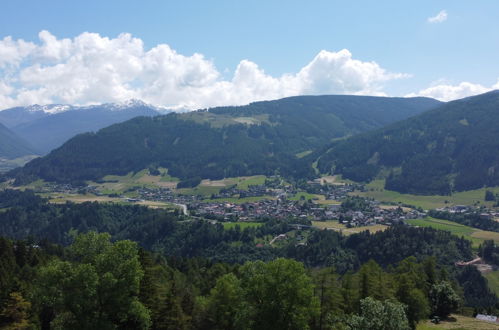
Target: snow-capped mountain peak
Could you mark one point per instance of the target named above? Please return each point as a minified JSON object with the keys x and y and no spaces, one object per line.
{"x":52,"y":109}
{"x":131,"y":103}
{"x":49,"y":108}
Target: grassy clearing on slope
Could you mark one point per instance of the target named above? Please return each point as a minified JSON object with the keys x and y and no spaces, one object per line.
{"x":221,"y":120}
{"x":209,"y":187}
{"x":458,"y":322}
{"x":476,"y":236}
{"x":376,"y":190}
{"x":303,"y":153}
{"x":242,"y":225}
{"x":118,"y":184}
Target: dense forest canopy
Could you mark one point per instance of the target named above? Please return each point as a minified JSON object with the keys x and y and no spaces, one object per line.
{"x":96,"y":283}
{"x":200,"y":275}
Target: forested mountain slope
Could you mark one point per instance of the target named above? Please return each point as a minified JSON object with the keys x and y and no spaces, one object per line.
{"x":260,"y":138}
{"x":12,"y":146}
{"x":453,"y":147}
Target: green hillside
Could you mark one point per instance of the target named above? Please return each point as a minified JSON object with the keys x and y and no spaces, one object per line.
{"x":261,"y":138}
{"x":451,"y":148}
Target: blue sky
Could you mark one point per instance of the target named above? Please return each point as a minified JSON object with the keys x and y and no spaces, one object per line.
{"x":277,"y":38}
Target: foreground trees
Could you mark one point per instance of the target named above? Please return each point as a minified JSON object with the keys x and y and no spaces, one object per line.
{"x":378,"y":315}
{"x":444,"y":299}
{"x":99,"y":284}
{"x":274,"y":295}
{"x":97,"y":289}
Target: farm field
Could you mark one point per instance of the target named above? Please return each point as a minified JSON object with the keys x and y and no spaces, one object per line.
{"x":242,"y":224}
{"x":376,"y":190}
{"x":63,"y":198}
{"x":327,"y":202}
{"x":209,"y":187}
{"x":245,"y":182}
{"x":476,"y":236}
{"x":118,"y":184}
{"x":334,"y":225}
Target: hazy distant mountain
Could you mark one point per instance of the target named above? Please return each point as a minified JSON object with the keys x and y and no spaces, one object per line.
{"x":12,"y":146}
{"x":260,"y":138}
{"x":49,"y":126}
{"x":453,"y":147}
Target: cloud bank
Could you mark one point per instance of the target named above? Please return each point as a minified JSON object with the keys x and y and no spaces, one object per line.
{"x":92,"y":69}
{"x":448,"y":92}
{"x":438,"y":18}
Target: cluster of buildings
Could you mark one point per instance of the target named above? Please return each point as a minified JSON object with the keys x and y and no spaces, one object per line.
{"x":485,"y":213}
{"x":374,"y":215}
{"x":275,"y":203}
{"x":280,"y":208}
{"x":166,"y":195}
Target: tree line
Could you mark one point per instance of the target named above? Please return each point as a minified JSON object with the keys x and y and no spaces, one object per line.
{"x":96,"y":283}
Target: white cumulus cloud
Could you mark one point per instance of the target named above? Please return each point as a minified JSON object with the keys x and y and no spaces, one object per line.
{"x":448,"y":92}
{"x":438,"y":18}
{"x":91,"y":68}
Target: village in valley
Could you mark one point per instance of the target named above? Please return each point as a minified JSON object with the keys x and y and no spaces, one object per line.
{"x":324,"y":203}
{"x":307,"y":202}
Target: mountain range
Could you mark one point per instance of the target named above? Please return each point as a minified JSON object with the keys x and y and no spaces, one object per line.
{"x":419,"y":145}
{"x":260,"y":138}
{"x":49,"y":126}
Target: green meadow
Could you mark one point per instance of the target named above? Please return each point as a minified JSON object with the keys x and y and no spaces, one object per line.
{"x":476,"y":236}
{"x":241,"y":224}
{"x":376,"y":190}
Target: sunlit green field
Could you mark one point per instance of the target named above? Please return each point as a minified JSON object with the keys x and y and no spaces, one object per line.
{"x":200,"y":190}
{"x":241,"y":224}
{"x":335,"y":225}
{"x":476,"y":236}
{"x":209,"y":187}
{"x":119,"y":184}
{"x":250,"y":181}
{"x":376,"y":190}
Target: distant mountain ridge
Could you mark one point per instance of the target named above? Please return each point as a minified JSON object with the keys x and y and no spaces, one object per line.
{"x":453,"y":147}
{"x":48,"y":126}
{"x":12,"y":146}
{"x":260,"y":138}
